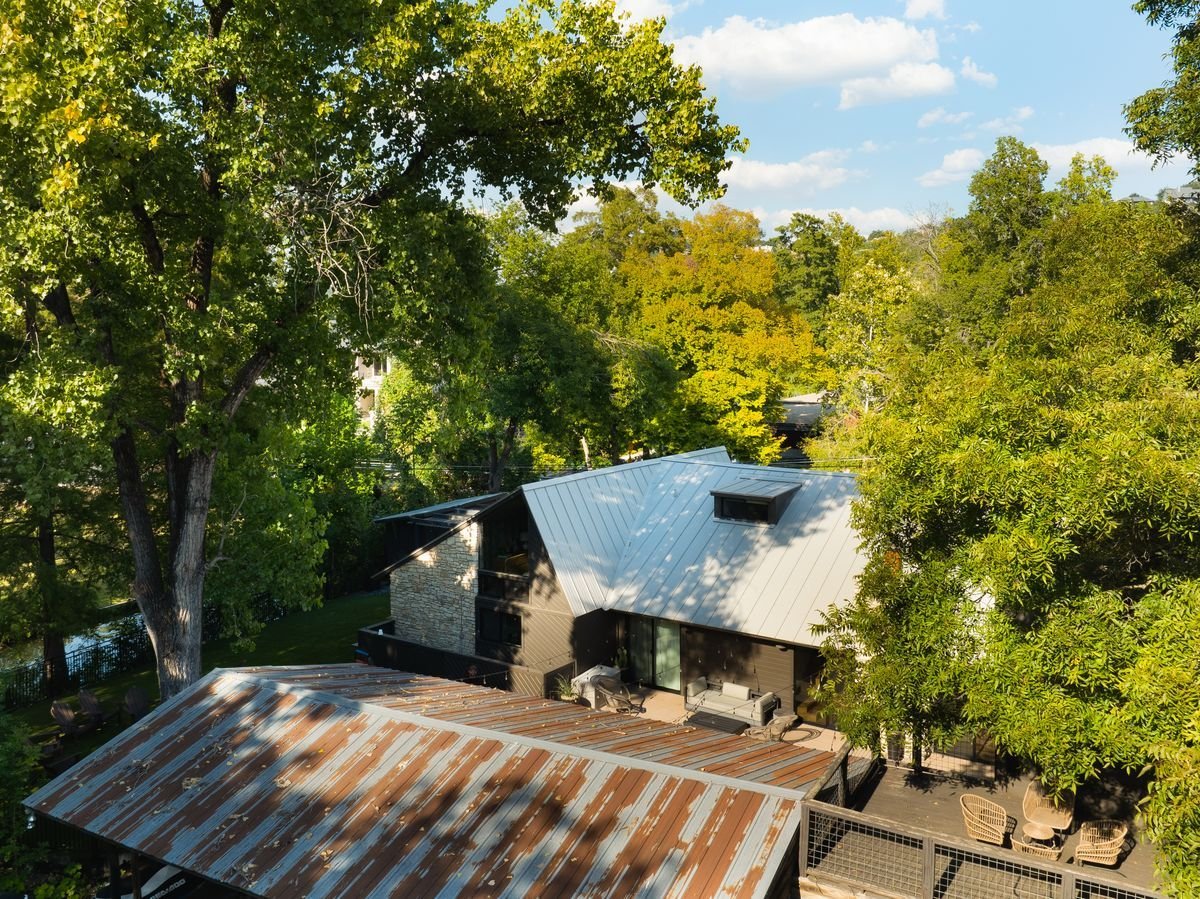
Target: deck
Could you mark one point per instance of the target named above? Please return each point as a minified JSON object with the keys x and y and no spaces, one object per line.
{"x":932,"y":804}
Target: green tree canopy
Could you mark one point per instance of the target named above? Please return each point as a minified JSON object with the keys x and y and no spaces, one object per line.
{"x":205,"y":201}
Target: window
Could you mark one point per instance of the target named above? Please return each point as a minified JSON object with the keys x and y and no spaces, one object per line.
{"x":494,"y":626}
{"x":737,"y":508}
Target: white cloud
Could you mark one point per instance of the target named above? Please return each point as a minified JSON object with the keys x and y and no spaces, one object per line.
{"x":869,"y":146}
{"x":886,"y":218}
{"x":972,"y":72}
{"x":919,"y":9}
{"x":904,"y":80}
{"x":1009,"y":124}
{"x":956,"y":166}
{"x":972,"y":27}
{"x":939,"y":115}
{"x":754,"y":53}
{"x":649,"y":9}
{"x":1117,"y":152}
{"x":817,"y":171}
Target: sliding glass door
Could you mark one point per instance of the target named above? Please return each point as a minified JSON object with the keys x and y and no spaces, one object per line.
{"x":654,"y":652}
{"x":666,"y":655}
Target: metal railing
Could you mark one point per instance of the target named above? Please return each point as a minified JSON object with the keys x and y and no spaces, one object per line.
{"x":24,"y":685}
{"x":865,"y":851}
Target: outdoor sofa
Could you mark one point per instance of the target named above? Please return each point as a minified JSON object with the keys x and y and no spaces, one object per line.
{"x":730,"y":700}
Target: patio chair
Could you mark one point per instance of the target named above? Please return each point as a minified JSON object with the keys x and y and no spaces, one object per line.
{"x":1048,"y":851}
{"x":985,"y":820}
{"x":69,"y":722}
{"x":1040,"y":808}
{"x":137,"y":704}
{"x":617,"y":694}
{"x":91,"y":706}
{"x":1101,"y":842}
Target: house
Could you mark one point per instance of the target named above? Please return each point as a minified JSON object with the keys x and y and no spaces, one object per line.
{"x":676,"y":570}
{"x":344,"y":780}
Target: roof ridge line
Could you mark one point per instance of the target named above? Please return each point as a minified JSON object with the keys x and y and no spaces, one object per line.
{"x":472,"y":730}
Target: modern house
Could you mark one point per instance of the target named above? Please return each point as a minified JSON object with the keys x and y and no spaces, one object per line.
{"x":676,"y":570}
{"x":343,"y":780}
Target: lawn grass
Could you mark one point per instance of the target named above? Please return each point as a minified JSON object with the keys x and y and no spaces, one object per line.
{"x":321,"y":636}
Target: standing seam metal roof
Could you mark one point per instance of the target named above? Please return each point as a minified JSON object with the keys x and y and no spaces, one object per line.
{"x":643,"y":539}
{"x":257,"y":780}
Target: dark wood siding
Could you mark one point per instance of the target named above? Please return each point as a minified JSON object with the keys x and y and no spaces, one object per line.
{"x":721,"y":656}
{"x":544,"y":589}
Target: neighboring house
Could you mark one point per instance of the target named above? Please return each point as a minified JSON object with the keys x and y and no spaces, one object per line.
{"x":674,"y":569}
{"x":801,"y":415}
{"x":331,"y":781}
{"x":369,"y":373}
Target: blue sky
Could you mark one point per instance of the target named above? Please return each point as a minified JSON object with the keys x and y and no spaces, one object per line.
{"x":882,"y":109}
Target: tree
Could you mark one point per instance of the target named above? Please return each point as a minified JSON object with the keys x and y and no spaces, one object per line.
{"x":205,"y":201}
{"x":711,"y":310}
{"x":806,"y":264}
{"x":861,"y":328}
{"x":1007,"y":199}
{"x":1086,"y":181}
{"x":1165,"y":121}
{"x":1036,"y":497}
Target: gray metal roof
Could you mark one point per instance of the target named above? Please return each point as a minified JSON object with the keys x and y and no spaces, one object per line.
{"x":585,"y":520}
{"x":771,"y":581}
{"x":471,"y":502}
{"x":643,"y":539}
{"x":764,"y":487}
{"x":283,"y":789}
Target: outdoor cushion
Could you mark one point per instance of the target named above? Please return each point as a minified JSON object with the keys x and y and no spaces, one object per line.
{"x":764,"y":702}
{"x":696,"y":687}
{"x":735,"y":691}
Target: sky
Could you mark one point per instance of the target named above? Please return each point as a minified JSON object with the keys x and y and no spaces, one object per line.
{"x":882,"y":109}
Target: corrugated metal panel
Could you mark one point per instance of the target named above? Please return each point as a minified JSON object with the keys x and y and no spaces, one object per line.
{"x":779,"y":765}
{"x":585,"y":520}
{"x":283,"y":791}
{"x":683,"y":564}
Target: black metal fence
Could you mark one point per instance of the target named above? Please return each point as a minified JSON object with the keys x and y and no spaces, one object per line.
{"x":126,"y":650}
{"x":379,"y":645}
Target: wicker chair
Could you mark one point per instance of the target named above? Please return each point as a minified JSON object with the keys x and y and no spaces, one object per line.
{"x":985,"y":820}
{"x":1101,"y":842}
{"x":1048,"y":851}
{"x":1055,"y":813}
{"x":93,"y":708}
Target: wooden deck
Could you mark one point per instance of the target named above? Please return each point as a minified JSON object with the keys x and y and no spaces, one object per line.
{"x":932,"y":804}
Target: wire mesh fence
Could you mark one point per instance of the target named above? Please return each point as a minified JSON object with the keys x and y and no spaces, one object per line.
{"x":858,"y":849}
{"x":863,"y":853}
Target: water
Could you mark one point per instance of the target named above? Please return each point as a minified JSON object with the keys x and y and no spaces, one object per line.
{"x":31,"y":651}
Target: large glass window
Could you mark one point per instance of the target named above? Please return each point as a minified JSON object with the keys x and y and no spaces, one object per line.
{"x":735,"y":508}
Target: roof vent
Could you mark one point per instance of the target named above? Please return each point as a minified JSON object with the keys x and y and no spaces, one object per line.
{"x":753,"y":500}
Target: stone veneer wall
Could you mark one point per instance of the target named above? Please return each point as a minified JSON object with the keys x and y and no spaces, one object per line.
{"x":433,"y":595}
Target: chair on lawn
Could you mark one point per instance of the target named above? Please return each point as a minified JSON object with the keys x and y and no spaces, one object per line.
{"x":71,"y":723}
{"x":137,"y":704}
{"x":92,"y":708}
{"x":1101,"y":842}
{"x":617,"y":694}
{"x":985,"y":820}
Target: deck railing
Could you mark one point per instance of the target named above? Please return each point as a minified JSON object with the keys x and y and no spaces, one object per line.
{"x":502,"y":585}
{"x":862,"y":850}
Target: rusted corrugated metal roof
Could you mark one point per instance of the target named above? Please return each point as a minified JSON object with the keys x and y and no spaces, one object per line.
{"x":696,"y":748}
{"x":283,"y":788}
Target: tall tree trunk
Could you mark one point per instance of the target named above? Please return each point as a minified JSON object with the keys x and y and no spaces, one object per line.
{"x":171,"y":605}
{"x":54,"y":652}
{"x":499,"y":452}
